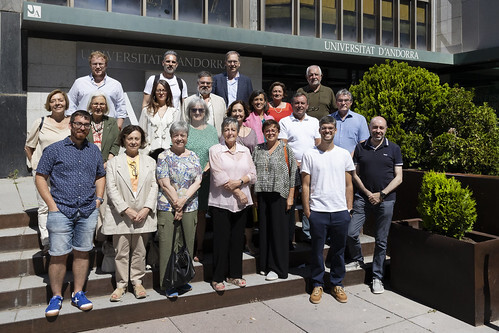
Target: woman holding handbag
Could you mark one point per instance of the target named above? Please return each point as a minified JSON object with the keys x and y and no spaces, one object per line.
{"x":276,"y":171}
{"x":131,"y":211}
{"x":179,"y":175}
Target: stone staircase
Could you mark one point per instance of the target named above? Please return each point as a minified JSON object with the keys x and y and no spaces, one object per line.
{"x":25,"y":291}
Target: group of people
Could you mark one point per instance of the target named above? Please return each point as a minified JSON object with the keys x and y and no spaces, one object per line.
{"x":228,"y":150}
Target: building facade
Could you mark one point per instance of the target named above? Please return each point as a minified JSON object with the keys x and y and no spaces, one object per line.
{"x":45,"y":45}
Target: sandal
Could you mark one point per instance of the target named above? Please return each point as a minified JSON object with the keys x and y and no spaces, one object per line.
{"x":139,"y":291}
{"x":117,"y":294}
{"x":240,"y":282}
{"x":218,"y":286}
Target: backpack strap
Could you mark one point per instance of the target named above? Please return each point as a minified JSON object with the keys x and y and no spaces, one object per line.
{"x":41,"y":124}
{"x":181,"y":87}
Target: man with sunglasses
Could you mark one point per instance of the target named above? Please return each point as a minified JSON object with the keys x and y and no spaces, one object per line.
{"x":77,"y":177}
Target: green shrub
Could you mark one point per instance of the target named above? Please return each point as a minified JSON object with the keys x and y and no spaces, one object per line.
{"x":436,"y":126}
{"x":445,"y":207}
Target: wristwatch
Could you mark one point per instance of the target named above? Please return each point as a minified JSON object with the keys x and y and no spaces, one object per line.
{"x":242,"y":182}
{"x":382,"y":195}
{"x":100,"y":199}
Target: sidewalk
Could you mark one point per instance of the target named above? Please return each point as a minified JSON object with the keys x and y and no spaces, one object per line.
{"x":364,"y":312}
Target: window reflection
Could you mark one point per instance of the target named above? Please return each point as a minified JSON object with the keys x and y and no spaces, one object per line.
{"x":54,"y":2}
{"x":159,"y":8}
{"x":329,"y":19}
{"x":126,"y":7}
{"x":369,"y":29}
{"x":387,"y":22}
{"x":350,"y":20}
{"x":278,"y":16}
{"x":219,"y":12}
{"x":422,"y":26}
{"x":307,"y":18}
{"x":190,"y":10}
{"x":91,"y":4}
{"x":405,"y":24}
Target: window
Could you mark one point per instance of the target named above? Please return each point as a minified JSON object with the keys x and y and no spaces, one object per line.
{"x":219,"y":12}
{"x":278,"y":16}
{"x":350,"y":20}
{"x":190,"y":10}
{"x":369,"y":17}
{"x":91,"y":4}
{"x":405,"y":24}
{"x":159,"y":8}
{"x":329,"y":17}
{"x":126,"y":7}
{"x":387,"y":22}
{"x":54,"y":2}
{"x":422,"y":26}
{"x":307,"y":18}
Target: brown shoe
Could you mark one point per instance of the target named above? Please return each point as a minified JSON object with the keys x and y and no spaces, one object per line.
{"x":339,"y":293}
{"x":316,"y":295}
{"x":139,"y":291}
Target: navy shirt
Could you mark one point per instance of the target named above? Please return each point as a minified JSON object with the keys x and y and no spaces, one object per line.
{"x":376,"y":167}
{"x":72,"y":172}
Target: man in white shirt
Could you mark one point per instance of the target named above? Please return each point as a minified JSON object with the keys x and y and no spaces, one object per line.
{"x":327,"y":197}
{"x":215,"y":103}
{"x":84,"y":86}
{"x":300,"y":132}
{"x":177,"y":85}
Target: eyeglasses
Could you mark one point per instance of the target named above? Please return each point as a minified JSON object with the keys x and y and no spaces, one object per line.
{"x":343,"y":100}
{"x":100,"y":64}
{"x":193,"y":110}
{"x":206,"y":83}
{"x":98,"y":104}
{"x":133,"y":166}
{"x":77,"y":124}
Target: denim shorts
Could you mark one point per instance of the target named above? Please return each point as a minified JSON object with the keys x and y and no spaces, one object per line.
{"x":67,"y":234}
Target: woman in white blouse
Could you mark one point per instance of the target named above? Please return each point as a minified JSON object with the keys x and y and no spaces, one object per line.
{"x":157,"y":118}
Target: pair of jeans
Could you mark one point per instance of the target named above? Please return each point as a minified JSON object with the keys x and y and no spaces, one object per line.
{"x":334,"y":225}
{"x":383,"y":213}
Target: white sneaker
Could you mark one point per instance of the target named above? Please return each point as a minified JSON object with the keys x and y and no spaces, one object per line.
{"x":271,"y":276}
{"x":378,"y":286}
{"x":352,"y":266}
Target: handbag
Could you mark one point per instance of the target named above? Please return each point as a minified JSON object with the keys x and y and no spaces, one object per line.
{"x":180,"y":268}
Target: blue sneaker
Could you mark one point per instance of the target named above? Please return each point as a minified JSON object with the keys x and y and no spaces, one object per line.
{"x":55,"y":305}
{"x":81,"y":301}
{"x":185,"y":288}
{"x":172,"y":293}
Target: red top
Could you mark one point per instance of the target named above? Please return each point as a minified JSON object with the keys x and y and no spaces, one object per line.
{"x":279,"y":113}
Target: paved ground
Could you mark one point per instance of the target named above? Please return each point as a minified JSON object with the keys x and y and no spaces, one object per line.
{"x":364,"y":312}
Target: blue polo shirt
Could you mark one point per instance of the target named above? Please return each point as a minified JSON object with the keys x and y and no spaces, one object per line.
{"x":376,"y":167}
{"x":351,"y":130}
{"x":72,"y":173}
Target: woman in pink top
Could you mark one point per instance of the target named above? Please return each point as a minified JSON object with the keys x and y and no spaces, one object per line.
{"x":259,"y":107}
{"x":232,"y":172}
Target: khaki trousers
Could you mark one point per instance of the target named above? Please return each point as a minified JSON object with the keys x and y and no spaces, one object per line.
{"x":130,"y":256}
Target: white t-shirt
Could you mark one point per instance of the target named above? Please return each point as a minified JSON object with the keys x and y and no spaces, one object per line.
{"x":173,"y":86}
{"x":301,"y":135}
{"x":327,"y":178}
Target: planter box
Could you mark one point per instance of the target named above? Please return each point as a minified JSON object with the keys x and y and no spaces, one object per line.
{"x":453,"y":276}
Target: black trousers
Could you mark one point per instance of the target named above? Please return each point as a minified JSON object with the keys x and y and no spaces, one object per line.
{"x":274,"y":231}
{"x":228,"y":243}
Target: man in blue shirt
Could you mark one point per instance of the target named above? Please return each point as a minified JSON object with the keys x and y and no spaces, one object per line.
{"x":351,"y":127}
{"x":378,"y":173}
{"x":77,"y":177}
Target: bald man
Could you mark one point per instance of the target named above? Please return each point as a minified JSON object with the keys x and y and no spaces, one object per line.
{"x":378,"y":172}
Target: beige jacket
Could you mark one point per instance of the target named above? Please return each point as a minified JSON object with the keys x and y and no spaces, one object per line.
{"x":120,"y":196}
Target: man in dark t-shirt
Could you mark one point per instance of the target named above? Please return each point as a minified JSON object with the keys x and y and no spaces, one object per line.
{"x":378,"y":173}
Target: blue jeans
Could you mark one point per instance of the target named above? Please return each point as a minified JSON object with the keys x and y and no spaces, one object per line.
{"x":67,"y":234}
{"x":336,"y":226}
{"x":383,"y":213}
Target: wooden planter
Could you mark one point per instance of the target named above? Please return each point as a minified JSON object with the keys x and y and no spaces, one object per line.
{"x":453,"y":276}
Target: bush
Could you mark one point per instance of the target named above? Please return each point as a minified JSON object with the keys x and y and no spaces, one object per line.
{"x":445,"y":207}
{"x":436,"y":126}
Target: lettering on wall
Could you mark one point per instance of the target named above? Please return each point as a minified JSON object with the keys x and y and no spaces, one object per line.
{"x":371,"y":50}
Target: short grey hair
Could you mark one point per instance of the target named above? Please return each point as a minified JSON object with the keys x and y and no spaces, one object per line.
{"x":231,"y":53}
{"x":95,"y":94}
{"x":344,"y":92}
{"x":170,"y":52}
{"x":230,"y":121}
{"x":310,"y":67}
{"x":192,"y":103}
{"x":204,"y":74}
{"x":179,"y":126}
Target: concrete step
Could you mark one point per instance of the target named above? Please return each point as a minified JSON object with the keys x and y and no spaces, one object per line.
{"x":156,"y":305}
{"x":18,"y":239}
{"x":17,"y":220}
